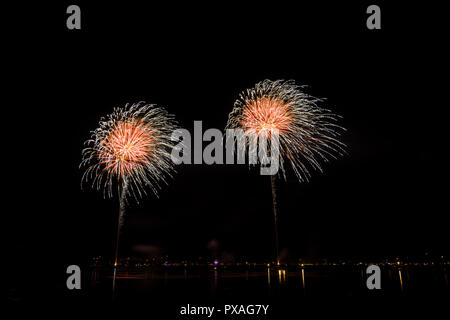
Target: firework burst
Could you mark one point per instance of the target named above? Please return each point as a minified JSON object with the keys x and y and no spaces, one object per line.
{"x":308,"y":134}
{"x":131,"y":146}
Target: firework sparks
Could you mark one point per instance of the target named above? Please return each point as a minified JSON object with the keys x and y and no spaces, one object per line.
{"x":131,"y":146}
{"x":308,"y":134}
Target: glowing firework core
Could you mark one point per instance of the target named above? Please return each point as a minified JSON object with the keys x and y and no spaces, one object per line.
{"x":128,"y":145}
{"x":265,"y":114}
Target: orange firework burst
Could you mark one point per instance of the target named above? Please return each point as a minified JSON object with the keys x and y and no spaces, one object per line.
{"x":131,"y":146}
{"x":127,"y":147}
{"x":266,"y":114}
{"x":307,"y":133}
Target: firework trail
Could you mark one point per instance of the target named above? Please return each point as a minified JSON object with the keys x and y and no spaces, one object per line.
{"x":308,"y":134}
{"x":131,"y":149}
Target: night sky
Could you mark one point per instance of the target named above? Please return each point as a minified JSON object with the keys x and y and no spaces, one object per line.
{"x":385,"y":198}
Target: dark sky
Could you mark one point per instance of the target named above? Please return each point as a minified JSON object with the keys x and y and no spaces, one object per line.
{"x":385,"y":198}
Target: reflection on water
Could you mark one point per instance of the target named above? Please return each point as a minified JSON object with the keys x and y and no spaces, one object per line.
{"x":281,"y":276}
{"x":303,"y":278}
{"x":265,"y":281}
{"x":114,"y":281}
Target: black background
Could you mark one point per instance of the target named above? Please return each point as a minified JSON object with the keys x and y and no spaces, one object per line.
{"x":385,"y":198}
